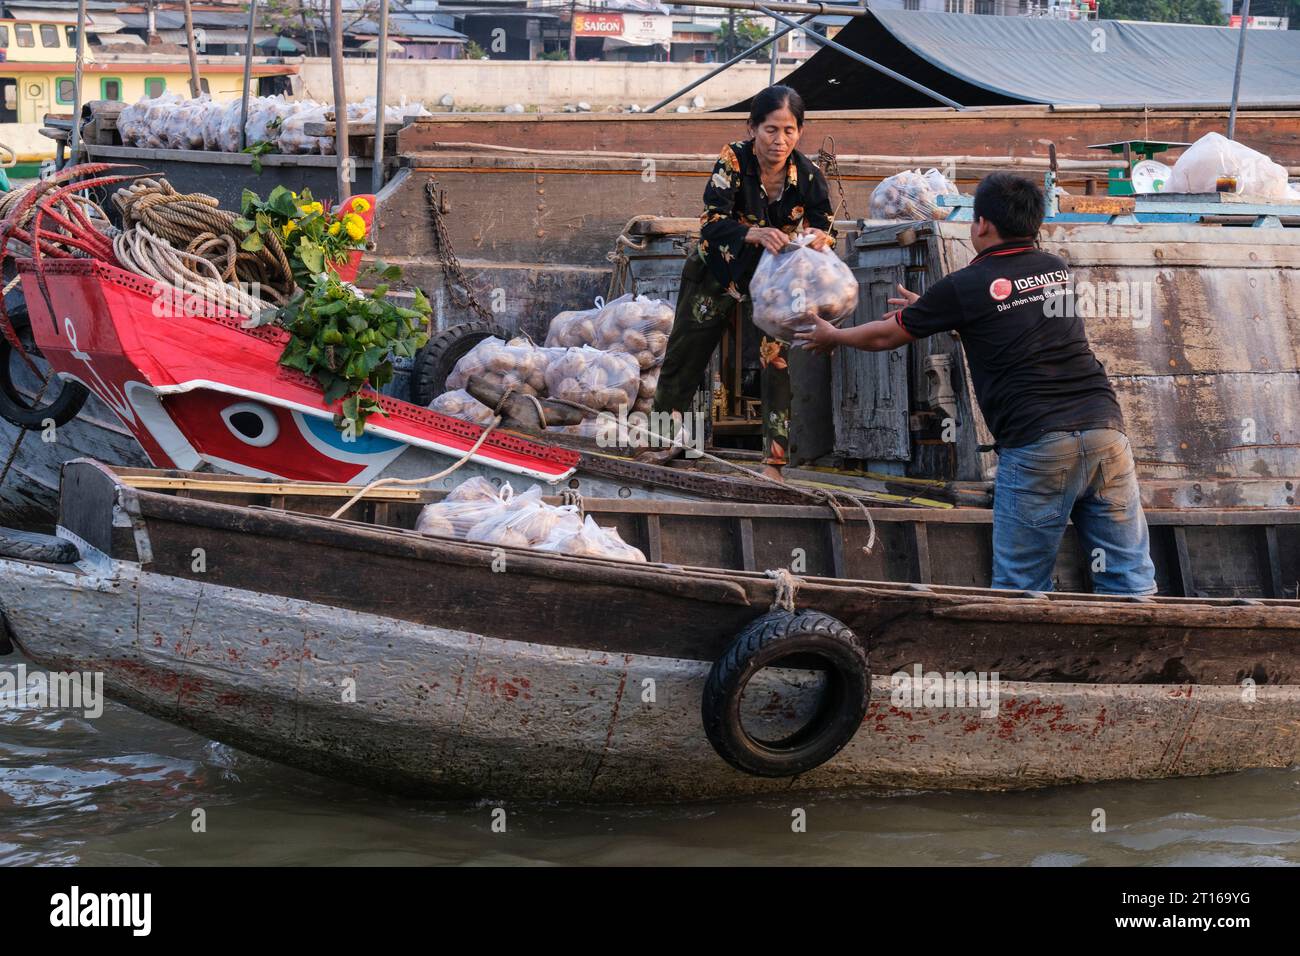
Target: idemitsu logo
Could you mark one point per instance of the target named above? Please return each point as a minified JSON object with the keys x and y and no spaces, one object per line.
{"x":102,"y":909}
{"x":1000,"y":289}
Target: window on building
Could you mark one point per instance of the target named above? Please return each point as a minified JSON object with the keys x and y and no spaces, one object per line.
{"x":65,"y":89}
{"x":71,"y":33}
{"x":203,"y":85}
{"x":24,"y":33}
{"x":4,"y":35}
{"x":911,"y":4}
{"x":110,"y":88}
{"x":49,"y":35}
{"x":984,"y":7}
{"x":154,"y":86}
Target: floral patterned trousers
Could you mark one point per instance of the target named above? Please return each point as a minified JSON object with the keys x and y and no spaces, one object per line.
{"x":704,"y":311}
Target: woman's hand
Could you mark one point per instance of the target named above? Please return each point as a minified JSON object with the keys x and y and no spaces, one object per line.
{"x":822,"y":339}
{"x":821,"y":240}
{"x":773,"y":240}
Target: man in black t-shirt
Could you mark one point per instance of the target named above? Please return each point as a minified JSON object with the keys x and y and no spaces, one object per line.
{"x":1062,"y":452}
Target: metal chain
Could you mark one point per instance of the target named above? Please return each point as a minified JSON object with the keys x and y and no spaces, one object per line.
{"x":830,"y":166}
{"x":464,"y":296}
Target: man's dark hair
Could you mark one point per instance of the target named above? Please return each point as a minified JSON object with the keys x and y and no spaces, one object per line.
{"x":1012,"y":203}
{"x":772,"y":99}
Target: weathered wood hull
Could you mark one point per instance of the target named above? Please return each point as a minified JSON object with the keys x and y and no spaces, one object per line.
{"x":448,"y":712}
{"x":433,"y":666}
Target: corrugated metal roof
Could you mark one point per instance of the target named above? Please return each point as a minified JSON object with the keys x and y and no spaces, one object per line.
{"x":987,"y":60}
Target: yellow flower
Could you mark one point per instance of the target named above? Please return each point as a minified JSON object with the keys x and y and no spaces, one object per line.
{"x":335,"y":228}
{"x":311,"y":207}
{"x":354,"y":225}
{"x":360,"y":205}
{"x":288,"y":227}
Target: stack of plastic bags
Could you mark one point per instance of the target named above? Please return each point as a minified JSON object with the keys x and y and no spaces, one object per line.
{"x":911,"y":195}
{"x":476,"y":511}
{"x":171,"y":121}
{"x":636,"y":325}
{"x":799,"y":283}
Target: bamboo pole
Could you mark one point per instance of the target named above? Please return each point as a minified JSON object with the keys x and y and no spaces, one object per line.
{"x":195,"y":86}
{"x":248,"y":76}
{"x":340,"y":101}
{"x":75,"y":140}
{"x":1236,"y":75}
{"x":377,"y":174}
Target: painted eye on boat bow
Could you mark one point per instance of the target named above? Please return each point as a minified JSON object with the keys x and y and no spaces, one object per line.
{"x":251,"y":423}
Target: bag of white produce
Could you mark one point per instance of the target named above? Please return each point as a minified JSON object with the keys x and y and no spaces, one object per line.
{"x":799,"y":283}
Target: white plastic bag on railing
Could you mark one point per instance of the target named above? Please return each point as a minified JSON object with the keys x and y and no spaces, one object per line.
{"x":592,"y":541}
{"x":526,"y":526}
{"x":1201,"y":165}
{"x":911,"y":195}
{"x":789,"y":288}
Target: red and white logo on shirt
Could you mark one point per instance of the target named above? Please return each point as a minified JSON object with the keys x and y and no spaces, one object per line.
{"x":1000,"y":289}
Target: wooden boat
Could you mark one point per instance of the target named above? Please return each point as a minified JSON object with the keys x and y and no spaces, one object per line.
{"x":437,"y":667}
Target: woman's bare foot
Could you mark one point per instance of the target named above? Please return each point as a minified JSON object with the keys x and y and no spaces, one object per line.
{"x":773,"y":472}
{"x":660,"y":456}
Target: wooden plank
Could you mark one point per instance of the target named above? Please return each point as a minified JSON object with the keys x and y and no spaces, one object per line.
{"x":156,"y":482}
{"x":921,"y":543}
{"x":835,"y":532}
{"x":1270,"y":562}
{"x":653,"y":537}
{"x":1183,"y":560}
{"x":1104,"y":205}
{"x":745,"y":527}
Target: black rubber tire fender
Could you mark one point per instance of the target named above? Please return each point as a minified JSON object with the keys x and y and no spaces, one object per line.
{"x":30,"y":546}
{"x":765,"y":641}
{"x":435,"y":361}
{"x":68,"y":397}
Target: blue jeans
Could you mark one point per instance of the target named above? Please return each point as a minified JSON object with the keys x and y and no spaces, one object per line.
{"x":1085,"y":475}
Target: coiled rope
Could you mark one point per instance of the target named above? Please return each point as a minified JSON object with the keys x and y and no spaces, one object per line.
{"x":140,"y":251}
{"x":194,"y":223}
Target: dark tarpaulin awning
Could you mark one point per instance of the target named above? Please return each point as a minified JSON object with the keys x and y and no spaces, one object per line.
{"x":990,"y":61}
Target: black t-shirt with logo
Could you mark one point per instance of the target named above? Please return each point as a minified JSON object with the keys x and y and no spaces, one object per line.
{"x":1032,"y":367}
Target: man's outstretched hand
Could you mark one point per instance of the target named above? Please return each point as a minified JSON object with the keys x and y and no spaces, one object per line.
{"x":822,"y":339}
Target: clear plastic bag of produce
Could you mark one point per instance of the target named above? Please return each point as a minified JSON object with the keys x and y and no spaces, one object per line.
{"x":182,"y":125}
{"x":224,"y":129}
{"x":468,"y":504}
{"x":517,"y":364}
{"x":799,"y":283}
{"x":1201,"y":165}
{"x":526,"y":526}
{"x":911,"y":195}
{"x":293,"y":136}
{"x":265,"y":114}
{"x":603,"y":381}
{"x":592,"y":541}
{"x":637,"y":325}
{"x":645,"y":396}
{"x":461,"y":404}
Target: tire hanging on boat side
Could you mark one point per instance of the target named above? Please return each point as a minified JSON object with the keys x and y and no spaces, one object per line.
{"x":796,"y":637}
{"x":62,"y":400}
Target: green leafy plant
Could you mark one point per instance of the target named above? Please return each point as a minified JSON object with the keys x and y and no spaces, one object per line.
{"x":257,"y":151}
{"x":312,"y":236}
{"x":346,"y":339}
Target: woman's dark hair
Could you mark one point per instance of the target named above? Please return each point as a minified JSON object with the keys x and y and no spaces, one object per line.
{"x":1012,"y":203}
{"x":772,"y":99}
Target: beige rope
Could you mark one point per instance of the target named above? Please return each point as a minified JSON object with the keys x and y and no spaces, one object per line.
{"x":195,"y":223}
{"x":379,"y":482}
{"x":140,"y":251}
{"x":787,"y":585}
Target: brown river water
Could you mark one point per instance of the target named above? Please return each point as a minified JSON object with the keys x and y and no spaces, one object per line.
{"x":122,"y":789}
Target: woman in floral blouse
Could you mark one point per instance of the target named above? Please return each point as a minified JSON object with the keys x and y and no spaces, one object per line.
{"x":762,"y":192}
